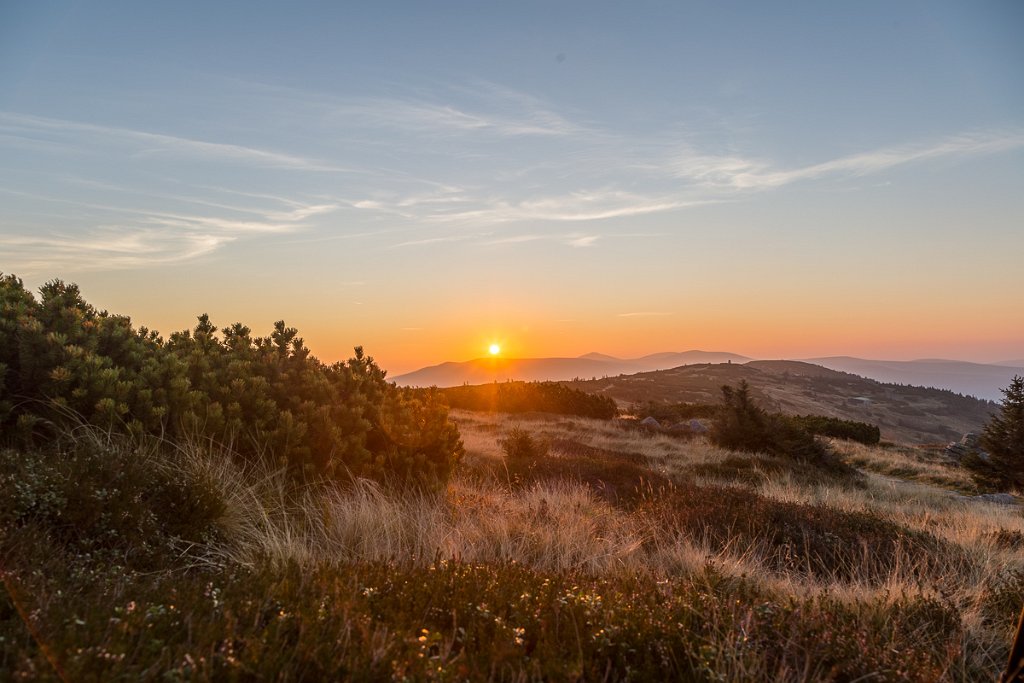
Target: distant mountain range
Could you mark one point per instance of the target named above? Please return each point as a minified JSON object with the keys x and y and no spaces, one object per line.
{"x":589,"y":366}
{"x":973,"y":379}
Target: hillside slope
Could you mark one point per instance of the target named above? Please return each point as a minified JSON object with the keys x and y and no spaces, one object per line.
{"x":903,"y":413}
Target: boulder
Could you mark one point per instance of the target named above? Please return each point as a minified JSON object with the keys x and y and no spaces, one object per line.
{"x":968,"y":443}
{"x":650,"y":423}
{"x":996,"y":498}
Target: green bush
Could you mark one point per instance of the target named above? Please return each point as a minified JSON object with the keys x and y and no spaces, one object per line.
{"x":518,"y":444}
{"x":266,"y":398}
{"x":861,"y":432}
{"x":741,"y":425}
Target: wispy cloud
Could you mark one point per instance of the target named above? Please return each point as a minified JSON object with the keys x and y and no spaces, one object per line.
{"x":644,"y":314}
{"x":474,"y":163}
{"x":574,"y":239}
{"x":582,"y":240}
{"x":423,"y":116}
{"x":491,"y":210}
{"x":711,"y":178}
{"x":109,"y":247}
{"x":485,"y":108}
{"x":136,"y":237}
{"x":268,"y":221}
{"x":433,"y":240}
{"x":740,"y":173}
{"x":149,"y":143}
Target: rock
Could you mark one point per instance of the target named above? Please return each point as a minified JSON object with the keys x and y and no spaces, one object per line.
{"x":968,"y":443}
{"x":690,"y":427}
{"x":650,"y":423}
{"x":970,"y":440}
{"x":996,"y":498}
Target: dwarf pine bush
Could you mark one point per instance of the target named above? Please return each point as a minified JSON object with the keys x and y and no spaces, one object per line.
{"x":520,"y":445}
{"x":742,"y":425}
{"x":266,"y":398}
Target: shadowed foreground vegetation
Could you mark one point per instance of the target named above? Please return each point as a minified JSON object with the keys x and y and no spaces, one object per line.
{"x":617,"y":554}
{"x":457,"y":621}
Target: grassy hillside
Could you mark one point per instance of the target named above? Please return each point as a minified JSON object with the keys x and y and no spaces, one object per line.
{"x":904,"y":413}
{"x":620,"y":555}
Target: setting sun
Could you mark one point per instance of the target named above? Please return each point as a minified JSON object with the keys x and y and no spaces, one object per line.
{"x":494,"y":349}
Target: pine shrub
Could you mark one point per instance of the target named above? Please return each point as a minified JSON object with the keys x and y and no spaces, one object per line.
{"x":265,"y":398}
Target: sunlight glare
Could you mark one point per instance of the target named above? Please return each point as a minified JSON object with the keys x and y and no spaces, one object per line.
{"x":494,"y":349}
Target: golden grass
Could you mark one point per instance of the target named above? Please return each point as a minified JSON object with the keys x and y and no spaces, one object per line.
{"x":907,"y":463}
{"x":562,"y":525}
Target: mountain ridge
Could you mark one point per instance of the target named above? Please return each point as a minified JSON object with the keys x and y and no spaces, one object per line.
{"x":590,"y":365}
{"x":981,"y":380}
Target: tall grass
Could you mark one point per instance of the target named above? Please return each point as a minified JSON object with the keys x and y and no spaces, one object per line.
{"x":794,"y":576}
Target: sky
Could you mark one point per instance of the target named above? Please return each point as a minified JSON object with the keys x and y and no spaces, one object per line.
{"x":425,"y":179}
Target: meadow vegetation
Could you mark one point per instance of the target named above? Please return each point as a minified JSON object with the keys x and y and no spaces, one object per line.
{"x":618,"y":554}
{"x":527,"y":397}
{"x":510,"y":547}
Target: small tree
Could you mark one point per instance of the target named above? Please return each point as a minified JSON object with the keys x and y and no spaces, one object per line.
{"x":1003,"y":437}
{"x":742,"y":425}
{"x":520,"y":445}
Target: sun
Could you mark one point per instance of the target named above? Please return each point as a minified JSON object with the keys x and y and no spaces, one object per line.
{"x":494,"y":349}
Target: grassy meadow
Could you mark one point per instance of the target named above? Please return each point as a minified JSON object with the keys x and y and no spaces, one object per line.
{"x":617,"y":554}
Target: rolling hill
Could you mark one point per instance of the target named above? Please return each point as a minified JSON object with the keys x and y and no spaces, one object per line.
{"x":903,"y":413}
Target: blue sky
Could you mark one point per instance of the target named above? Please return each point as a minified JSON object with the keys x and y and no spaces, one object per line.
{"x":424,"y":178}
